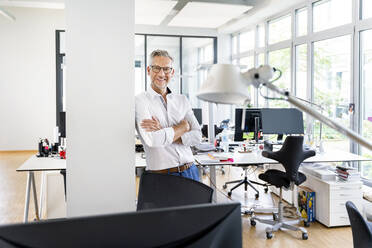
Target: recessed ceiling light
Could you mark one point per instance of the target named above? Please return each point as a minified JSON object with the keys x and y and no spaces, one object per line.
{"x":207,"y":15}
{"x":152,"y":12}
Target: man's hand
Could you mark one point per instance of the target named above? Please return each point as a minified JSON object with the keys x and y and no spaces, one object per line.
{"x":151,"y":125}
{"x":185,"y":124}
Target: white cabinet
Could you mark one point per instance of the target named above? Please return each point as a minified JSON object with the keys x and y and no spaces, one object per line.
{"x":330,"y":199}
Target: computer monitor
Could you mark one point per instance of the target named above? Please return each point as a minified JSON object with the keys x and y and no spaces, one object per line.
{"x":282,"y":121}
{"x":249,"y":123}
{"x":204,"y":225}
{"x":198,"y":114}
{"x":62,"y":124}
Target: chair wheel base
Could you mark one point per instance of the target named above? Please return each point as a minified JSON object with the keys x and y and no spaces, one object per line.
{"x":229,"y":193}
{"x":224,"y":186}
{"x":306,"y":224}
{"x":266,"y":190}
{"x":257,"y":196}
{"x":269,"y":235}
{"x":253,"y":223}
{"x":305,"y":236}
{"x":275,"y":216}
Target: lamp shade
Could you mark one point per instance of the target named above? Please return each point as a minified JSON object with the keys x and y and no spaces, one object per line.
{"x":224,"y":84}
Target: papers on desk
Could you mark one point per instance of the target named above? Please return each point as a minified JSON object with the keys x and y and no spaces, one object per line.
{"x":211,"y":158}
{"x":321,"y":171}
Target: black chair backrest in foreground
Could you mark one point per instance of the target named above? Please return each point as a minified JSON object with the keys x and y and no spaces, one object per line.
{"x":291,"y":155}
{"x":362,"y":229}
{"x":205,"y":225}
{"x":163,"y":190}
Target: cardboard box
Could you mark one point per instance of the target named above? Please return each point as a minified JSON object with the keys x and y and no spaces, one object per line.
{"x":306,"y":203}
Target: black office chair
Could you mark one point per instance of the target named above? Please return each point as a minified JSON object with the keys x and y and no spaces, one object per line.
{"x":163,"y":190}
{"x":362,"y":229}
{"x":291,"y":155}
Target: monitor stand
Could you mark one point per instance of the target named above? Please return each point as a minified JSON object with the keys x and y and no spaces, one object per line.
{"x":279,"y":140}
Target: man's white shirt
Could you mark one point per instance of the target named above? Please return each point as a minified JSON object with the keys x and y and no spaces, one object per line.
{"x":161,"y":152}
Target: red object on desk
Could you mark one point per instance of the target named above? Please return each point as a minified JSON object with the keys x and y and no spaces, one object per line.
{"x":62,"y":154}
{"x":228,"y":160}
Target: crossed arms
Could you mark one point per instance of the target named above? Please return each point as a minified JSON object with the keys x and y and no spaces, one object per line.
{"x":186,"y":132}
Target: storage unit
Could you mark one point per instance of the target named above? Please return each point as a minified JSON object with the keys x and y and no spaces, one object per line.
{"x":331,"y":197}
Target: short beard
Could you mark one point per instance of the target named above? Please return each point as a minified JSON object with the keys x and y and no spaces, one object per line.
{"x":159,"y":88}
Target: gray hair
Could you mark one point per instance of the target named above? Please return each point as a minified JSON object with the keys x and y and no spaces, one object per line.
{"x":159,"y":53}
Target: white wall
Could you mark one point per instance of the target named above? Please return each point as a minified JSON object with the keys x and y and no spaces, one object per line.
{"x":27,"y":77}
{"x":100,"y":106}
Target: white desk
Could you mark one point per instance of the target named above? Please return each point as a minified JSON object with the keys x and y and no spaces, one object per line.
{"x":47,"y":164}
{"x":255,"y":158}
{"x":38,"y":164}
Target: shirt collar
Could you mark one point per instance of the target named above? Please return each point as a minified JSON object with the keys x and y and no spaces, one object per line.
{"x":154,"y":93}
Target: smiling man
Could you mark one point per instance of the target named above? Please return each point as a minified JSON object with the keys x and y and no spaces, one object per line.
{"x":166,"y":123}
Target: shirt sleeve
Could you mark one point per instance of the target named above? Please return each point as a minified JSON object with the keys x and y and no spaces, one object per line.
{"x":160,"y":138}
{"x":194,"y":136}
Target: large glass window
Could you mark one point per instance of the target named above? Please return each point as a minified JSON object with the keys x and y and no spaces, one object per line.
{"x":139,"y":64}
{"x":234,"y":44}
{"x":331,"y":13}
{"x":366,"y":9}
{"x":301,"y":22}
{"x":195,"y":52}
{"x":280,"y":29}
{"x":246,"y":42}
{"x":247,"y":62}
{"x":281,"y":59}
{"x":261,"y":35}
{"x":301,"y":71}
{"x":261,"y":100}
{"x":332,"y":61}
{"x":366,"y":98}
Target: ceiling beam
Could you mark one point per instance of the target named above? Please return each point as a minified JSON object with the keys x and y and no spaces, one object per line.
{"x":176,"y":9}
{"x":182,"y":3}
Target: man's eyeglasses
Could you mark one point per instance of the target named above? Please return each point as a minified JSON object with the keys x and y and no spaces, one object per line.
{"x":156,"y":69}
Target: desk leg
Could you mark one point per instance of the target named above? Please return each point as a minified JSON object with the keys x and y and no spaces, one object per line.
{"x":27,"y":200}
{"x":41,"y":195}
{"x":213,"y":183}
{"x":35,"y":196}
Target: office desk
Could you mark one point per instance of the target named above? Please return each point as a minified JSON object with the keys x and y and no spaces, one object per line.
{"x":47,"y":164}
{"x":255,"y":158}
{"x":38,"y":164}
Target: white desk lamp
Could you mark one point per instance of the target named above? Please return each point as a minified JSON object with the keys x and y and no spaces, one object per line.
{"x":225,"y":84}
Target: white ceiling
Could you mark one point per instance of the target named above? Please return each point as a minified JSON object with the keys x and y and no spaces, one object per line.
{"x":226,"y":16}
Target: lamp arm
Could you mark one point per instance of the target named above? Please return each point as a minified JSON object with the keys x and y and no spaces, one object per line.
{"x":322,"y":118}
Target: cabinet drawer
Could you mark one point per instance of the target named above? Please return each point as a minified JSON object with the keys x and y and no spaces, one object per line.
{"x":343,"y":187}
{"x":345,"y":194}
{"x":338,"y":206}
{"x":339,"y":219}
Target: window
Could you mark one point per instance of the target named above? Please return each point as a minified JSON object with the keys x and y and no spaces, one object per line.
{"x":261,"y":59}
{"x":331,"y":13}
{"x":195,"y":52}
{"x":261,"y":35}
{"x":366,"y":98}
{"x":301,"y":22}
{"x":139,"y":64}
{"x":246,"y":41}
{"x":234,"y":43}
{"x":280,"y":29}
{"x":281,"y":59}
{"x":332,"y":87}
{"x":247,"y":62}
{"x":301,"y":71}
{"x":261,"y":100}
{"x":366,"y":9}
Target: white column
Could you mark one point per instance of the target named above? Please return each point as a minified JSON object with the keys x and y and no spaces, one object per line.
{"x":100,"y":106}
